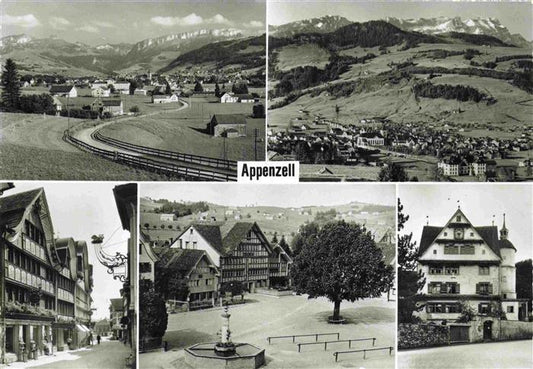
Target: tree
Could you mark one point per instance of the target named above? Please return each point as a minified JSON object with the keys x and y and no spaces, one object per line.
{"x":392,"y":173}
{"x":133,"y":86}
{"x":217,"y":90}
{"x":524,"y":270}
{"x":235,"y":288}
{"x":410,"y":281}
{"x":177,"y":287}
{"x":305,"y":235}
{"x":275,"y":238}
{"x":153,"y":316}
{"x":168,"y":90}
{"x":11,"y":87}
{"x":341,"y":263}
{"x":134,"y":109}
{"x":258,"y":111}
{"x":239,"y":88}
{"x":198,"y":87}
{"x":284,"y":245}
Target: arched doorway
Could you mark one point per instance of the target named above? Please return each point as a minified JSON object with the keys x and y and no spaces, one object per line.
{"x":487,"y":330}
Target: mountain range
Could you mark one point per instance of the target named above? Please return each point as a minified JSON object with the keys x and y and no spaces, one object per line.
{"x":49,"y":55}
{"x":429,"y":26}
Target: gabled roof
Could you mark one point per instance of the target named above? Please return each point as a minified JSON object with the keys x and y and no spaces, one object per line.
{"x":111,"y":102}
{"x":12,"y":207}
{"x":182,"y":260}
{"x":61,"y":88}
{"x":116,"y":305}
{"x":211,"y":233}
{"x":238,"y":233}
{"x":229,"y":119}
{"x":489,"y":234}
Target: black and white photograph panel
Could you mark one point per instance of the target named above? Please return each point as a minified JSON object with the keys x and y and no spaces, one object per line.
{"x":131,"y":90}
{"x":279,"y":276}
{"x":68,"y":281}
{"x":464,"y":276}
{"x":401,"y":90}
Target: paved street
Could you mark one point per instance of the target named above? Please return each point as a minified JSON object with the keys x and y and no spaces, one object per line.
{"x":267,"y":316}
{"x":107,"y":355}
{"x":495,"y":355}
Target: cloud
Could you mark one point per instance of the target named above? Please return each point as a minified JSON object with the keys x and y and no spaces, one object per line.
{"x":87,"y":28}
{"x":218,"y":19}
{"x":26,"y":21}
{"x":190,"y":20}
{"x":58,"y":22}
{"x":254,"y":24}
{"x":104,"y":24}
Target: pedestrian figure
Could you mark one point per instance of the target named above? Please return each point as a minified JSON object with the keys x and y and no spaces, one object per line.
{"x":91,"y":338}
{"x":98,"y":338}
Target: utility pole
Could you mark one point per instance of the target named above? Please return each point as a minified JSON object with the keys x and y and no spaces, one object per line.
{"x":256,"y":134}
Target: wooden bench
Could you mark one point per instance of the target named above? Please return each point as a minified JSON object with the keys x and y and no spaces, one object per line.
{"x":337,"y":341}
{"x":337,"y":353}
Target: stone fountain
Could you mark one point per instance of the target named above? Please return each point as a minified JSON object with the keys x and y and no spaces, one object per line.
{"x":225,"y":353}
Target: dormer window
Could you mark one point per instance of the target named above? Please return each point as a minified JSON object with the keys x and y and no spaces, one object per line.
{"x":445,"y":234}
{"x":458,"y":218}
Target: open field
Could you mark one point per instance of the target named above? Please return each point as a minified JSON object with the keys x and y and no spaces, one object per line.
{"x":31,"y":147}
{"x":283,"y":221}
{"x":265,"y":316}
{"x":397,"y":101}
{"x":184,"y":131}
{"x":292,"y":56}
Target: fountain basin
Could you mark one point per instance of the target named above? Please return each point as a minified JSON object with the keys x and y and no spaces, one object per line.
{"x":246,"y":356}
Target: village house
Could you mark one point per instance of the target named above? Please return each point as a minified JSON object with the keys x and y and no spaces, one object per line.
{"x":140,"y":91}
{"x":165,"y":99}
{"x":370,"y":139}
{"x":197,"y":269}
{"x":122,"y":87}
{"x":466,"y":265}
{"x":228,"y":125}
{"x":116,"y":317}
{"x":113,"y":107}
{"x":228,"y":97}
{"x":243,"y":255}
{"x":100,"y":92}
{"x":47,"y":281}
{"x":63,"y":91}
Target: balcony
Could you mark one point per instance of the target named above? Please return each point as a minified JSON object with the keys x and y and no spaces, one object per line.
{"x":33,"y":248}
{"x":21,"y":276}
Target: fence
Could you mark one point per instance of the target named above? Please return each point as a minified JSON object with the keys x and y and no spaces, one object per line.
{"x":338,"y":341}
{"x":208,"y":174}
{"x":337,"y":353}
{"x":316,"y":335}
{"x":188,"y":158}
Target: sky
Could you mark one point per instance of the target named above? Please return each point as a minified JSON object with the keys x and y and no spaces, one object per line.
{"x":479,"y":202}
{"x":515,"y":15}
{"x":297,"y":195}
{"x":80,"y":210}
{"x":103,"y":21}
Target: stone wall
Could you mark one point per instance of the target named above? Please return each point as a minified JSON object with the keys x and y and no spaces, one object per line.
{"x":422,"y":335}
{"x":513,"y":330}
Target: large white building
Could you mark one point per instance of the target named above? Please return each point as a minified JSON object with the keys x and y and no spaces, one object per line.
{"x":471,"y":265}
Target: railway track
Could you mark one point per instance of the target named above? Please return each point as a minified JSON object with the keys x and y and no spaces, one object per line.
{"x":175,"y":164}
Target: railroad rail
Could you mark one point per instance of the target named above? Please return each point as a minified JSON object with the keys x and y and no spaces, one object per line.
{"x":149,"y":164}
{"x":187,"y":158}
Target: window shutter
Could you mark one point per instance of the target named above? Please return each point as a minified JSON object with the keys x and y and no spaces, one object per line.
{"x":477,"y":288}
{"x":479,"y":308}
{"x":490,"y":288}
{"x":458,"y":288}
{"x":443,"y":288}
